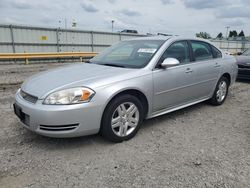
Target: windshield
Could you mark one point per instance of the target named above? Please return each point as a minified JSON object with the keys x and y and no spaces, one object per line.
{"x":247,"y":52}
{"x":128,"y":54}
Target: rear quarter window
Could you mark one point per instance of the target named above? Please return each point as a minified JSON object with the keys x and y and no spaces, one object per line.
{"x":201,"y":50}
{"x":216,"y":52}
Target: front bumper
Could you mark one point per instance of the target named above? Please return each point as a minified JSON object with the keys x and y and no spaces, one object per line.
{"x":59,"y":120}
{"x":244,"y":73}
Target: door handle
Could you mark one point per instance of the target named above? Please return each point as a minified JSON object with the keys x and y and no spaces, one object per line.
{"x":216,"y":65}
{"x":188,"y":70}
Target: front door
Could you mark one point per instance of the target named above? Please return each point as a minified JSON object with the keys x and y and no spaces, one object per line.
{"x":173,"y":85}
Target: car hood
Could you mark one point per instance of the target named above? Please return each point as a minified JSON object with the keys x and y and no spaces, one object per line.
{"x":243,"y":60}
{"x":83,"y":74}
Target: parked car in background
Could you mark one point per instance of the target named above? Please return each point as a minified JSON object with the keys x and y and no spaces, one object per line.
{"x":131,"y":81}
{"x":129,"y":31}
{"x":243,"y":62}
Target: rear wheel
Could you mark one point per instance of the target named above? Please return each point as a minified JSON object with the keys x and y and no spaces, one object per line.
{"x":122,"y":118}
{"x":221,"y":91}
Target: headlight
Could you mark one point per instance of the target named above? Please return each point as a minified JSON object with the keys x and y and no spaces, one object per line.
{"x":70,"y":96}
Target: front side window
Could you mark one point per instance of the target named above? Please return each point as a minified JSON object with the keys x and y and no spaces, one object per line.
{"x":128,"y":54}
{"x":201,"y":50}
{"x":178,"y":50}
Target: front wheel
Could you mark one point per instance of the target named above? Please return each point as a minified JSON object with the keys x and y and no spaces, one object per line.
{"x":122,"y":118}
{"x":221,"y":91}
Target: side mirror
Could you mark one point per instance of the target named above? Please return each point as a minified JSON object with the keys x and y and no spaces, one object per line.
{"x":170,"y":62}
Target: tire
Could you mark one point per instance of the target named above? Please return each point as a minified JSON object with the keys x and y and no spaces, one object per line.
{"x":122,"y":118}
{"x":220,"y":93}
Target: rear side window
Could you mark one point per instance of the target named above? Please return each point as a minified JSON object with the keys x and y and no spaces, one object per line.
{"x":216,"y":52}
{"x":178,"y":50}
{"x":201,"y":50}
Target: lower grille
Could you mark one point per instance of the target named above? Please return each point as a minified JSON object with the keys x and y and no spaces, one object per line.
{"x":58,"y":127}
{"x":28,"y":97}
{"x":244,"y":66}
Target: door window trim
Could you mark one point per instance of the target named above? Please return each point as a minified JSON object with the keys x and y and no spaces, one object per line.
{"x":191,"y":54}
{"x":189,"y":50}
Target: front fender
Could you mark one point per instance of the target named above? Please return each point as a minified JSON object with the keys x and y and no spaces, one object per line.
{"x":143,"y":84}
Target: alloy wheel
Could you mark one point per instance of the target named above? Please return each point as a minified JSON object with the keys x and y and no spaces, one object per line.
{"x":222,"y":91}
{"x":125,"y":119}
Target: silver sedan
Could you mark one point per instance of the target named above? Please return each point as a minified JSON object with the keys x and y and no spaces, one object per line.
{"x":131,"y":81}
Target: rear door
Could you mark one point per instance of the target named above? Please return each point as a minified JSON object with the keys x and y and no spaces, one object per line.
{"x":206,"y":67}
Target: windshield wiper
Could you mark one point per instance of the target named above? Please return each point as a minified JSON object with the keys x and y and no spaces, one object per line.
{"x":112,"y":65}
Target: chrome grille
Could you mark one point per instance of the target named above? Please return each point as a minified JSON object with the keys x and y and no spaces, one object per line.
{"x":28,"y":97}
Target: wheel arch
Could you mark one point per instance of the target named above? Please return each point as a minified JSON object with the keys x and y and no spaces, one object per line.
{"x":131,"y":91}
{"x":227,"y":75}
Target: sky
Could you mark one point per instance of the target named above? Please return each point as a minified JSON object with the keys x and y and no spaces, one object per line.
{"x":177,"y":17}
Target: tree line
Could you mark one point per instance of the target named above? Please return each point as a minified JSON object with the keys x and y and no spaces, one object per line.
{"x":233,"y":33}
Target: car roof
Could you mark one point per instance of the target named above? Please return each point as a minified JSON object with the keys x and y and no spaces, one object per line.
{"x":165,"y":38}
{"x":173,"y":39}
{"x":151,"y":38}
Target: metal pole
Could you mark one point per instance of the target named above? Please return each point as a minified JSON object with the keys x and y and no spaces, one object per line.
{"x":227,"y":31}
{"x":92,"y":41}
{"x":12,"y":39}
{"x":243,"y":45}
{"x":65,"y":23}
{"x":112,"y":22}
{"x":66,"y":32}
{"x":120,"y":36}
{"x":57,"y":39}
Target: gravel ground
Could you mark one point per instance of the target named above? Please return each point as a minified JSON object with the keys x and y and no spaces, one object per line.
{"x":199,"y":146}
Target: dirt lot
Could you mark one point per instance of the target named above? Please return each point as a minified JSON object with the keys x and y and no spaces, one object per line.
{"x":200,"y":146}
